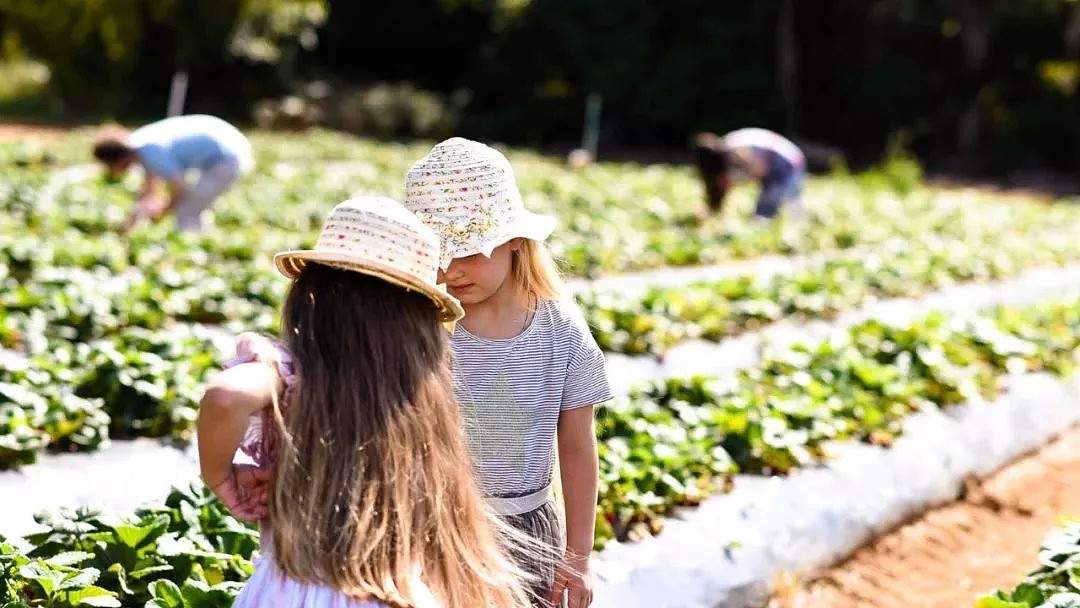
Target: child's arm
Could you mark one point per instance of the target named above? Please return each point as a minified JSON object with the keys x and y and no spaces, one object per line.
{"x":579,"y":471}
{"x":231,"y":398}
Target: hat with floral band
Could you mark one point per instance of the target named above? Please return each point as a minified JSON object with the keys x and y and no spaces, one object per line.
{"x":377,"y":236}
{"x":466,"y":192}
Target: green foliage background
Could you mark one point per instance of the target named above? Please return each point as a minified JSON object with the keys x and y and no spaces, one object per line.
{"x":853,"y":74}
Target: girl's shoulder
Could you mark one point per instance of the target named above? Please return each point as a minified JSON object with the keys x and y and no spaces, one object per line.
{"x":564,"y":314}
{"x":567,"y":323}
{"x":253,"y":347}
{"x":585,"y":379}
{"x":557,"y":324}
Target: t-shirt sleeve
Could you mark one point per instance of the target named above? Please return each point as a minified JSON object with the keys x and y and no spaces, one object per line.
{"x":586,"y":375}
{"x":158,"y":160}
{"x":259,"y":442}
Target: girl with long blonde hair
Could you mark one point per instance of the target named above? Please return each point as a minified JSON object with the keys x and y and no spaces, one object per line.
{"x":368,"y":498}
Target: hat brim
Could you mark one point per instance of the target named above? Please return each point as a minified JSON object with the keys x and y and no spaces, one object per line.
{"x":291,"y":263}
{"x":529,"y":225}
{"x":535,"y":226}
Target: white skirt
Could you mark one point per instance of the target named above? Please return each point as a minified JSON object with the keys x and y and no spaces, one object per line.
{"x":268,"y":587}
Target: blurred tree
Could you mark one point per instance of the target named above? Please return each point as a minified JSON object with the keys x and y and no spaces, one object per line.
{"x":110,"y":55}
{"x":974,"y":23}
{"x":787,"y":62}
{"x":994,"y":80}
{"x":422,"y":41}
{"x":658,"y":66}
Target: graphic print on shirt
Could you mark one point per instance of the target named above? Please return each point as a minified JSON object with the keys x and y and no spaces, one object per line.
{"x":497,"y":429}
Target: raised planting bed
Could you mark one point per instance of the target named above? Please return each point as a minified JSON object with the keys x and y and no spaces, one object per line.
{"x":732,"y":550}
{"x":706,"y":357}
{"x":672,"y":443}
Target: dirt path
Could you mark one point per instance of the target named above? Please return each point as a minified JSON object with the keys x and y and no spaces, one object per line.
{"x":952,"y":554}
{"x":18,"y":131}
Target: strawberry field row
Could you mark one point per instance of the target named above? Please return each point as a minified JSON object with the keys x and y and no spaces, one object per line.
{"x":662,"y":317}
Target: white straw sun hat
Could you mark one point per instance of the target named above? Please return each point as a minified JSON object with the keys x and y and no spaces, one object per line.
{"x":377,"y":236}
{"x":466,"y":192}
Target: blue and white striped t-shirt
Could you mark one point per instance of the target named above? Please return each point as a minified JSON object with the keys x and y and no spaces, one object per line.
{"x":512,"y":391}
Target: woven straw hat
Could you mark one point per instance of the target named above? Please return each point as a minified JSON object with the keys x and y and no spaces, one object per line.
{"x":466,"y":192}
{"x":377,"y":236}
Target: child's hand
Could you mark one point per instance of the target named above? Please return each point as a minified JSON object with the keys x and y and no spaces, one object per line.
{"x":245,"y":492}
{"x":574,"y":577}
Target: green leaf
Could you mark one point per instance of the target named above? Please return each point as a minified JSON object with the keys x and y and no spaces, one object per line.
{"x":94,"y":596}
{"x":1027,"y":593}
{"x":166,"y":594}
{"x":1074,"y":576}
{"x":135,"y":536}
{"x":195,"y":593}
{"x":121,"y":575}
{"x":79,"y":579}
{"x":142,"y":573}
{"x":48,"y":580}
{"x":993,"y":602}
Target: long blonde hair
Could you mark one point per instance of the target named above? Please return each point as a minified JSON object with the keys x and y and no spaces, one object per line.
{"x":533,"y":270}
{"x":373,"y":486}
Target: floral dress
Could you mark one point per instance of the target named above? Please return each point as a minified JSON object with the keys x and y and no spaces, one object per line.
{"x":268,"y":586}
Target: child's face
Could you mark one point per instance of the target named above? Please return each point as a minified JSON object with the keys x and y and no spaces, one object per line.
{"x":476,"y":278}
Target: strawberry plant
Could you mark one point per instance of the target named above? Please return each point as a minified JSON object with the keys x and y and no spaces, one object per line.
{"x":75,"y":397}
{"x":1055,"y":583}
{"x":39,"y":411}
{"x":22,"y":434}
{"x":149,"y":382}
{"x":669,"y":445}
{"x":614,"y":217}
{"x":58,"y":582}
{"x":186,"y":553}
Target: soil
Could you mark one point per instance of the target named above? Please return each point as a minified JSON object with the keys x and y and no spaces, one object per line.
{"x":950,"y":555}
{"x":16,"y":132}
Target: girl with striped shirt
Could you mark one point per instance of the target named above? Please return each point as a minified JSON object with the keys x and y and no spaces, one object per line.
{"x":527,"y":371}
